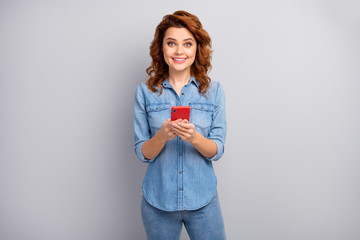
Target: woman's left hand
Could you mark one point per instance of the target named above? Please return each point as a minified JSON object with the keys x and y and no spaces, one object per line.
{"x":185,"y":130}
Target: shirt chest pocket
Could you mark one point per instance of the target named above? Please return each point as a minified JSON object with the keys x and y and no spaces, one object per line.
{"x":201,"y":116}
{"x":157,"y":115}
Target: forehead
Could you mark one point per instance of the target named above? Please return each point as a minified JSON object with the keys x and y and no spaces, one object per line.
{"x":178,"y":33}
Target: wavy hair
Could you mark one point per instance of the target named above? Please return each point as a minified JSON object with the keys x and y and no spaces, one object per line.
{"x":158,"y":71}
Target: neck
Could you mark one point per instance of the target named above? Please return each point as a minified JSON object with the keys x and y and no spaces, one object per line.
{"x":179,"y":78}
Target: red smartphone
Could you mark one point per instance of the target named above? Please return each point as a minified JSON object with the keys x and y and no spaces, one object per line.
{"x":182,"y":112}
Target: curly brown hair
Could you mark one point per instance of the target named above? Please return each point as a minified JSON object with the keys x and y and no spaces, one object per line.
{"x":158,"y":71}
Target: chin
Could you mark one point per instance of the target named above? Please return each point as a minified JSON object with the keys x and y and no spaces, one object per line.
{"x":180,"y":69}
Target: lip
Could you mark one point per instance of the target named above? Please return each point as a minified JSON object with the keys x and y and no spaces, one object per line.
{"x":179,"y":60}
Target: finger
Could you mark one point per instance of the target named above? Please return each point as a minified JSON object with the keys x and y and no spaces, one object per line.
{"x":182,"y":135}
{"x":182,"y":132}
{"x":178,"y":131}
{"x":186,"y":125}
{"x":178,"y":126}
{"x":177,"y":120}
{"x":172,"y":134}
{"x":166,"y":123}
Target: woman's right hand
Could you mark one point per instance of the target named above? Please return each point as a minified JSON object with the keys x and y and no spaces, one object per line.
{"x":152,"y":147}
{"x":166,"y":133}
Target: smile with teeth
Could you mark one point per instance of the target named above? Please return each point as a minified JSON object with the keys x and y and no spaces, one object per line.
{"x":179,"y":60}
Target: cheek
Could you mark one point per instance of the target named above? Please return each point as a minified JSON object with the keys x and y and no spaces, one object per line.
{"x":167,"y":53}
{"x":192,"y":53}
{"x":164,"y":52}
{"x":166,"y":57}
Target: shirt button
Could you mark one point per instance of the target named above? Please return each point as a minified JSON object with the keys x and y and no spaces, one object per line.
{"x":182,"y":94}
{"x":181,"y":189}
{"x":180,"y":154}
{"x":180,"y":172}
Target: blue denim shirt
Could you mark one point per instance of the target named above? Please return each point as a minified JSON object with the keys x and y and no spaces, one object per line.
{"x":179,"y":178}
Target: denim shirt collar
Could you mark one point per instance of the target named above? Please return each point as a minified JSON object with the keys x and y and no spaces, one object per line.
{"x":166,"y":83}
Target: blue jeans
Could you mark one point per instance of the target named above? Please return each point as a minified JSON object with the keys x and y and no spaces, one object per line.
{"x":205,"y":223}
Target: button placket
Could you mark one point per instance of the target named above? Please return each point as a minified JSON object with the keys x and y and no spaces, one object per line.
{"x":181,"y":101}
{"x":183,"y":93}
{"x":180,"y":175}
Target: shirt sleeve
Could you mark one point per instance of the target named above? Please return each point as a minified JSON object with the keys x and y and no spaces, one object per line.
{"x":218,"y":126}
{"x":141,"y":125}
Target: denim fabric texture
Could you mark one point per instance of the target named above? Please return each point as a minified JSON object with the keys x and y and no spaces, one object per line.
{"x":179,"y":178}
{"x":205,"y":223}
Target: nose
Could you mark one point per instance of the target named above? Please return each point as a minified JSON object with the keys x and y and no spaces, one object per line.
{"x":179,"y":50}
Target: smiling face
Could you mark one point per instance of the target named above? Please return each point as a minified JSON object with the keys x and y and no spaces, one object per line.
{"x":179,"y":48}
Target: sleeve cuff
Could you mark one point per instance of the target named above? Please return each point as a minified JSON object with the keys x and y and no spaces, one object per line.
{"x":139,"y":154}
{"x":219,"y":151}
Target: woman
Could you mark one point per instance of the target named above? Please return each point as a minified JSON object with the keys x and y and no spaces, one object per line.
{"x":180,"y":184}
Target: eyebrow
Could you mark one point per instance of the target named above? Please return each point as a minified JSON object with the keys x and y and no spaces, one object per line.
{"x":186,"y":39}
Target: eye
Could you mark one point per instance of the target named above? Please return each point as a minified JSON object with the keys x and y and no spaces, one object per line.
{"x":188,"y":44}
{"x":171,"y":44}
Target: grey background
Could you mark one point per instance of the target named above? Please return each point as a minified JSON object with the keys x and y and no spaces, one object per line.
{"x":291,"y":73}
